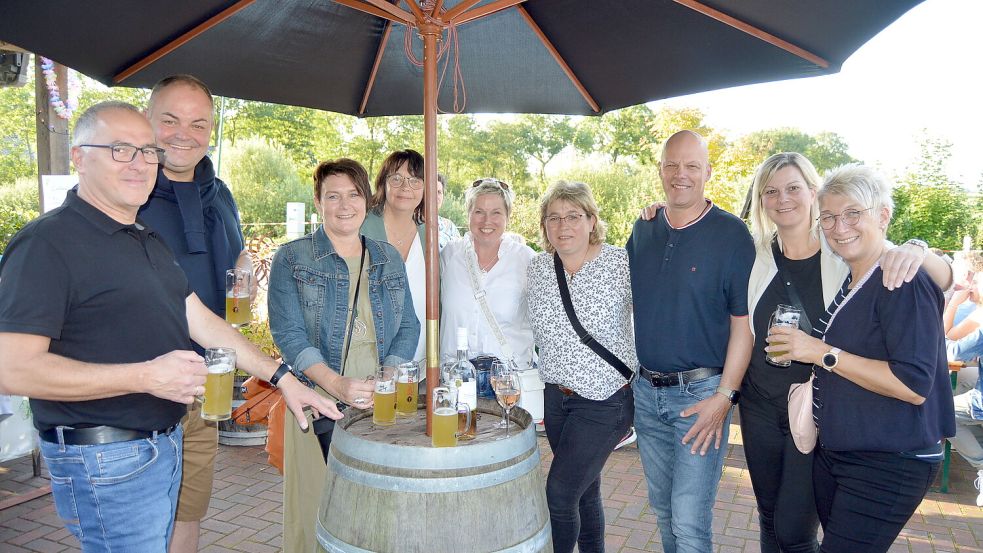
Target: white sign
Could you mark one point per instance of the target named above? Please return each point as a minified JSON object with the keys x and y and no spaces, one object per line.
{"x":296,"y":217}
{"x":17,"y":435}
{"x":54,"y":188}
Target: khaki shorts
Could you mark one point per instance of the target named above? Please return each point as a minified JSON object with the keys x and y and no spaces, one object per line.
{"x":200,"y":448}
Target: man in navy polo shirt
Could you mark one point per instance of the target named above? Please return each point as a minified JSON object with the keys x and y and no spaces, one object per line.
{"x":689,"y":272}
{"x":96,"y":323}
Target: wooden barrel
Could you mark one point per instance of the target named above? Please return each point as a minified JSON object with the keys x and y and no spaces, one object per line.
{"x":387,"y":490}
{"x":232,"y":433}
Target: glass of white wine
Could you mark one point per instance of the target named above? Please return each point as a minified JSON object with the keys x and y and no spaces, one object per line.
{"x":505,"y":382}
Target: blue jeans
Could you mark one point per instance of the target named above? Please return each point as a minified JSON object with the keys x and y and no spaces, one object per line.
{"x":582,"y":434}
{"x":682,"y":486}
{"x":117,"y":497}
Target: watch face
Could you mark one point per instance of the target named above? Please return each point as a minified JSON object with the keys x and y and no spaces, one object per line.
{"x":735,"y":397}
{"x":829,"y":360}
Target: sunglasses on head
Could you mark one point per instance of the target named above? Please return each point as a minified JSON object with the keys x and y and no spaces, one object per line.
{"x":500,"y":183}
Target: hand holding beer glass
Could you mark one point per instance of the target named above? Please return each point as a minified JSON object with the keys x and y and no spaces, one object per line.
{"x":784,"y":315}
{"x":444,"y":432}
{"x":384,"y":413}
{"x":238,"y":308}
{"x":217,"y":404}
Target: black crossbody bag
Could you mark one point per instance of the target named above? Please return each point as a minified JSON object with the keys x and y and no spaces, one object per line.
{"x":585,"y":337}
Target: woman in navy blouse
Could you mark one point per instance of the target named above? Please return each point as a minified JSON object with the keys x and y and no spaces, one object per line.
{"x":882,"y":401}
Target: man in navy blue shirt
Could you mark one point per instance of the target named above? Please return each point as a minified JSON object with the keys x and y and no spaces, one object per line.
{"x":193,"y":212}
{"x":689,"y":271}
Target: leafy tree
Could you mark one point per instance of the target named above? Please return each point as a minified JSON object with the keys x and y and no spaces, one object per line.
{"x":620,"y":134}
{"x":370,"y":140}
{"x":18,"y":205}
{"x":928,"y":204}
{"x":18,"y":157}
{"x":543,"y":137}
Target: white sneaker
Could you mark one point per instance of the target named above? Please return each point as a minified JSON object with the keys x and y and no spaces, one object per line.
{"x":979,"y":479}
{"x":630,"y":438}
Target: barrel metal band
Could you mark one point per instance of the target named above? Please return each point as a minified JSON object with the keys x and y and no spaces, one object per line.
{"x":433,"y":485}
{"x":331,"y":544}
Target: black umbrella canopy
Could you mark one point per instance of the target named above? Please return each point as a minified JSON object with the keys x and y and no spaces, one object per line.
{"x":323,"y":53}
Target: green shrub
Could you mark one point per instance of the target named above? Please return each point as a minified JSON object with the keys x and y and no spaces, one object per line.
{"x":263,"y":179}
{"x":18,"y":205}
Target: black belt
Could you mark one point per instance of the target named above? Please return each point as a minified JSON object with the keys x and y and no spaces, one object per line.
{"x":568,"y":392}
{"x":661,"y":380}
{"x":97,"y":435}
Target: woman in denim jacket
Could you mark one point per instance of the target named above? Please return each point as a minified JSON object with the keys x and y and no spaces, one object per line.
{"x":312,"y":291}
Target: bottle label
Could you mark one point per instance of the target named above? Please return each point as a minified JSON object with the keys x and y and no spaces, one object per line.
{"x":468,"y":393}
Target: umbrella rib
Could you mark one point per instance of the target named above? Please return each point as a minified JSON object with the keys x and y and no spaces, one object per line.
{"x":457,"y":10}
{"x":755,"y":32}
{"x":182,"y":40}
{"x":487,"y":9}
{"x":559,"y":59}
{"x":375,"y":68}
{"x":370,"y":9}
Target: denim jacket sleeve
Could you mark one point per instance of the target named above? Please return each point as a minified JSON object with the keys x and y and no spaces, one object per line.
{"x":286,"y":318}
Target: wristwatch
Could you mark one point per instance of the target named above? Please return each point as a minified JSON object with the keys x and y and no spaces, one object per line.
{"x":733,"y":395}
{"x":920,"y":243}
{"x":281,"y":371}
{"x":831,"y":358}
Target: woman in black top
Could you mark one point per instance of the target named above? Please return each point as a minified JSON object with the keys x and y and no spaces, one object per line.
{"x":883,"y":401}
{"x":783,"y":219}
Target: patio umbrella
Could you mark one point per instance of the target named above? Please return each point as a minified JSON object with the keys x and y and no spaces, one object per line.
{"x":366,"y":57}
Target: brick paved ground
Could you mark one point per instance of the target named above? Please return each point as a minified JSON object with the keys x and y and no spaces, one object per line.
{"x":245,"y":510}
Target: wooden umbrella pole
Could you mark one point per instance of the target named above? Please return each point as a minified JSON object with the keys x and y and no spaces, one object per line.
{"x":430,"y":32}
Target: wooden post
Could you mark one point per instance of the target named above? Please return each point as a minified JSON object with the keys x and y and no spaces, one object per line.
{"x":430,"y":33}
{"x":52,"y":131}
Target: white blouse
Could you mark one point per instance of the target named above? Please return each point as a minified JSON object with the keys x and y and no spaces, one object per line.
{"x":416,"y":274}
{"x":505,"y":289}
{"x":601,"y":296}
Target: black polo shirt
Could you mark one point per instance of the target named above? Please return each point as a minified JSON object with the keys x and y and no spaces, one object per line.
{"x":104,"y":292}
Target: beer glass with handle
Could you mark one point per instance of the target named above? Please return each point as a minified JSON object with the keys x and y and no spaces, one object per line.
{"x":217,"y":403}
{"x":505,"y":381}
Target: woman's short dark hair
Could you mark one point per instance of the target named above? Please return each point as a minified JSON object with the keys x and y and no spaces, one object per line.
{"x":343,"y":166}
{"x":414,"y":164}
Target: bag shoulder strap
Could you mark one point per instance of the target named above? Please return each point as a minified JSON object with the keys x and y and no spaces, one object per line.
{"x":351,"y":322}
{"x":585,"y":337}
{"x":793,"y":294}
{"x":481,"y":298}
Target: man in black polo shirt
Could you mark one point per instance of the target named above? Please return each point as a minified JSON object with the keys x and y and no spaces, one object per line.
{"x":689,"y":272}
{"x":96,"y":322}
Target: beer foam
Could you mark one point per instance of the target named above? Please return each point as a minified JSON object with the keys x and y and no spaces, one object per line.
{"x":219,"y":368}
{"x":445,"y":411}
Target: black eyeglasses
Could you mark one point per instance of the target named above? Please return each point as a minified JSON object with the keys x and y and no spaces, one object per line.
{"x":125,"y":153}
{"x":501,"y":184}
{"x":849,"y":217}
{"x":398,"y":181}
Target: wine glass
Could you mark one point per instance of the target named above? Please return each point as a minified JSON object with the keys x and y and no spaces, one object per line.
{"x":505,"y":382}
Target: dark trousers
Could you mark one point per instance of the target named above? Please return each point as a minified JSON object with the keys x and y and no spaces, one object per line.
{"x":865,"y":498}
{"x":582,"y":434}
{"x":781,"y":477}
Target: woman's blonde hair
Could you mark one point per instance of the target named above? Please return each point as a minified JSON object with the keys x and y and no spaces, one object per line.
{"x":492,"y":186}
{"x":578,"y":194}
{"x":762,"y":227}
{"x":861,"y":183}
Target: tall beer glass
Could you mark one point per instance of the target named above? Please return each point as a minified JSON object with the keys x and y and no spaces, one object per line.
{"x":221,"y":363}
{"x":384,"y":413}
{"x":238,"y":308}
{"x":407,"y":388}
{"x":787,"y":316}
